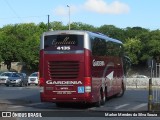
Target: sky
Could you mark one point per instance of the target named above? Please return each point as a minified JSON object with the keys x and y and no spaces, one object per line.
{"x":120,"y":13}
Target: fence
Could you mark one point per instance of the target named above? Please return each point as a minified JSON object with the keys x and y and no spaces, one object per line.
{"x":142,"y":83}
{"x":137,"y":83}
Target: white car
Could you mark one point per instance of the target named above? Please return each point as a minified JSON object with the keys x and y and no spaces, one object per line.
{"x":4,"y":78}
{"x":140,"y":76}
{"x":33,"y":79}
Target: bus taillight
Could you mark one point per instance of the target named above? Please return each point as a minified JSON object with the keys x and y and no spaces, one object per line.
{"x":87,"y":84}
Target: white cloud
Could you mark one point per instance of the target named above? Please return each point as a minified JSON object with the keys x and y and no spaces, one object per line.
{"x":64,"y":10}
{"x":100,"y":6}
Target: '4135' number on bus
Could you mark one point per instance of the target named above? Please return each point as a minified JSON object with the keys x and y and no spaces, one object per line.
{"x":63,"y":48}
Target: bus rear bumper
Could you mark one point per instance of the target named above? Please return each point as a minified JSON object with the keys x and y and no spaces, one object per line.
{"x":86,"y":98}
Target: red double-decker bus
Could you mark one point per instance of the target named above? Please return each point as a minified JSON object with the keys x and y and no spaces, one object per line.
{"x":80,"y":66}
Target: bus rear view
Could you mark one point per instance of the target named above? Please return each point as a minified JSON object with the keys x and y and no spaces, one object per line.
{"x":80,"y":66}
{"x":62,"y":67}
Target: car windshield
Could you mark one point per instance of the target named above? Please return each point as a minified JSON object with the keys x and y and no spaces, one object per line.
{"x":6,"y":74}
{"x":20,"y":74}
{"x":23,"y":74}
{"x":34,"y":75}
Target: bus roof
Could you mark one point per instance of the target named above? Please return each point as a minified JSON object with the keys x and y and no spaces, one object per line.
{"x":96,"y":34}
{"x":100,"y":35}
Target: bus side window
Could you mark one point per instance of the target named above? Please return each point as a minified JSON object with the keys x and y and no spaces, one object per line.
{"x":98,"y":47}
{"x":113,"y":49}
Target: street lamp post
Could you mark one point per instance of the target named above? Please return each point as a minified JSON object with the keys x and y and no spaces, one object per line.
{"x":69,"y":16}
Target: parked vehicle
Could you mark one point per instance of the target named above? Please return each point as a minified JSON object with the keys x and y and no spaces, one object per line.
{"x":1,"y":72}
{"x":140,"y":76}
{"x":33,"y":79}
{"x":4,"y":78}
{"x":24,"y":78}
{"x":24,"y":75}
{"x":12,"y":78}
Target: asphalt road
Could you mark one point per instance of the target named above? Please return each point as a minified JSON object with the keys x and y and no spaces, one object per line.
{"x":27,"y":99}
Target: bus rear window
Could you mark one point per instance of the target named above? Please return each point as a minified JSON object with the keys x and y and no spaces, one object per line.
{"x":63,"y":42}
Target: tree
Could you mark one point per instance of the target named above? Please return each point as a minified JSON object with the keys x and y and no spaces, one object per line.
{"x":133,"y":48}
{"x":135,"y":32}
{"x":82,"y":26}
{"x":8,"y":45}
{"x":29,"y":50}
{"x":154,"y":43}
{"x":42,"y":26}
{"x":20,"y":43}
{"x":57,"y":25}
{"x":144,"y":36}
{"x":112,"y":31}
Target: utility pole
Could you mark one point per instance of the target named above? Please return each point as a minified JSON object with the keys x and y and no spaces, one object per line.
{"x":150,"y":97}
{"x":69,"y":17}
{"x":48,"y":23}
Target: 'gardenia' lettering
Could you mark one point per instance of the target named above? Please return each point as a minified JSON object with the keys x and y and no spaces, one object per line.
{"x":98,"y":63}
{"x":63,"y":82}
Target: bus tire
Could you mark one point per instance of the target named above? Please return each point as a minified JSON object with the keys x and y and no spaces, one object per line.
{"x":102,"y":99}
{"x":121,"y":93}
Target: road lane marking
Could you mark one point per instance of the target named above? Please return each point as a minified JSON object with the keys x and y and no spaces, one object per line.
{"x":92,"y":108}
{"x":17,"y":106}
{"x":26,"y":105}
{"x":121,"y":106}
{"x":139,"y":106}
{"x":33,"y":104}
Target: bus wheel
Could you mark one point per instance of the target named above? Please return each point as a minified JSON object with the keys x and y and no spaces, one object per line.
{"x":102,"y":99}
{"x":121,"y":93}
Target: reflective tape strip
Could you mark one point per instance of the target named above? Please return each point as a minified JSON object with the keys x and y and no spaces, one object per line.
{"x":63,"y":91}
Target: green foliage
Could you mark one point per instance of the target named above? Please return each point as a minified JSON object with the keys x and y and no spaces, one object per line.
{"x":57,"y":26}
{"x":154,"y":43}
{"x":133,"y":48}
{"x":112,"y":31}
{"x":82,"y":26}
{"x":20,"y":42}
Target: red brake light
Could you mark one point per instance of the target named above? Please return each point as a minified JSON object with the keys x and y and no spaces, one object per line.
{"x":87,"y":84}
{"x":87,"y":81}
